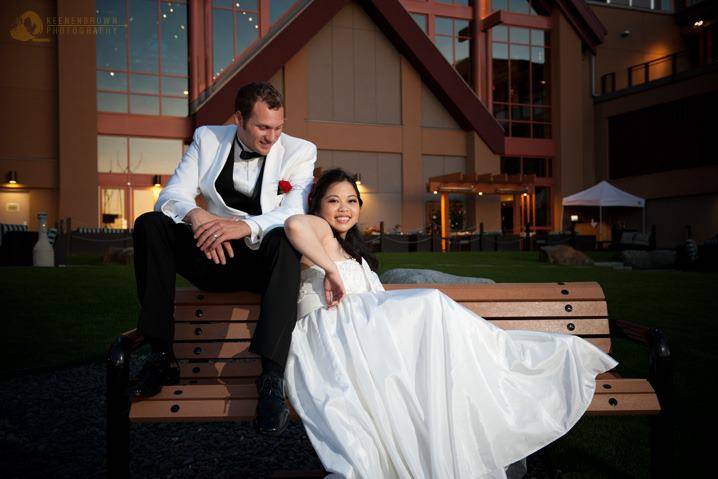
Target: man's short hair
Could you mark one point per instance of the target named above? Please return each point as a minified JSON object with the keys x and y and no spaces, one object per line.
{"x":251,"y":93}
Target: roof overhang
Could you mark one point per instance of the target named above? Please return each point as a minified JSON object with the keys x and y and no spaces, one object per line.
{"x":488,"y":183}
{"x":406,"y":36}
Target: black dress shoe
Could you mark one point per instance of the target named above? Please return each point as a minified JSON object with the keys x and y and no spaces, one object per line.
{"x":159,"y":370}
{"x":272,"y":412}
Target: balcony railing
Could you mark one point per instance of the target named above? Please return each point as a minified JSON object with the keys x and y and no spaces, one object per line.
{"x":646,"y":72}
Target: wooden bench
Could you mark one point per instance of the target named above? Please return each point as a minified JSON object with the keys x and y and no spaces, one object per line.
{"x":213,"y":330}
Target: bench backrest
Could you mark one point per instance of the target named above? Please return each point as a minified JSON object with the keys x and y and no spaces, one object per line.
{"x":213,"y":330}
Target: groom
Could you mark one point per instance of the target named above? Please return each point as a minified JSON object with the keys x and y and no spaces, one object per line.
{"x":251,"y":177}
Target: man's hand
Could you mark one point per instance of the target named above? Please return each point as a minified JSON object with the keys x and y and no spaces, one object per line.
{"x":198,"y":218}
{"x":218,"y":232}
{"x":333,"y":288}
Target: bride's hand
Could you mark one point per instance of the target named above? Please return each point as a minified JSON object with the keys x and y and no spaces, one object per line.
{"x":333,"y":288}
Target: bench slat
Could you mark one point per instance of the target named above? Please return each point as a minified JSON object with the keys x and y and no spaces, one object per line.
{"x":625,"y":404}
{"x":238,"y":402}
{"x":229,"y":369}
{"x":604,"y":344}
{"x":244,"y":330}
{"x":227,"y":350}
{"x":487,"y":310}
{"x":538,"y":309}
{"x":208,"y":331}
{"x":623,"y":385}
{"x":240,"y":312}
{"x":249,"y":391}
{"x":588,"y":290}
{"x":239,"y":349}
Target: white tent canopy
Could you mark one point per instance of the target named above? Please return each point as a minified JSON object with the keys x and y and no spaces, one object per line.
{"x":605,"y":194}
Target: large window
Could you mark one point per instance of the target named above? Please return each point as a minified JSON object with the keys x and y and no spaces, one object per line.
{"x":515,"y":6}
{"x":453,"y":38}
{"x":515,"y":165}
{"x":142,"y":68}
{"x":520,"y":65}
{"x":129,"y":170}
{"x":236,"y":25}
{"x":663,"y":5}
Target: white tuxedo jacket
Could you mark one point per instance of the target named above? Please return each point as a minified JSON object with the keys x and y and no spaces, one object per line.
{"x":291,"y":159}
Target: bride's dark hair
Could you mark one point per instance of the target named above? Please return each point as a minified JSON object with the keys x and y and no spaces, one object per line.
{"x":353,"y":242}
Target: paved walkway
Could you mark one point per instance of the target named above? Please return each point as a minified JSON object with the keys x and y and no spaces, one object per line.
{"x":53,"y":425}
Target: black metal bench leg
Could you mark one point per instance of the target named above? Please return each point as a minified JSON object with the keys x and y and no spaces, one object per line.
{"x":118,"y":409}
{"x":661,"y":377}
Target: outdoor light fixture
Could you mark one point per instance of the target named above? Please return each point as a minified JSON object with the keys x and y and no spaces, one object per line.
{"x":698,"y":23}
{"x":157,"y":180}
{"x":574,"y":218}
{"x":12,"y":177}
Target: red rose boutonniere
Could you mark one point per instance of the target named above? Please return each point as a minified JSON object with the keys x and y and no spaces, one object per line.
{"x":284,"y":187}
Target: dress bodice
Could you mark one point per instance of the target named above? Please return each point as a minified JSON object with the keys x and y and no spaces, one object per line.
{"x":357,"y":278}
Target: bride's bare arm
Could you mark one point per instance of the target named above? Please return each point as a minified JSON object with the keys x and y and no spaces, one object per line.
{"x":309,"y":234}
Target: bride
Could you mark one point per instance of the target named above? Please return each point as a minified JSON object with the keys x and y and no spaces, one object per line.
{"x":409,"y":384}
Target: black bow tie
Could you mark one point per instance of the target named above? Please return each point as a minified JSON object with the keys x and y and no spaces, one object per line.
{"x":247,"y":154}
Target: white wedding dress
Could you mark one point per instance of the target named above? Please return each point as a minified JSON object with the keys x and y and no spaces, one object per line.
{"x":410,"y":384}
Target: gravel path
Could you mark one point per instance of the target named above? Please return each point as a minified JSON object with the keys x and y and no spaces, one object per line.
{"x":52,"y":424}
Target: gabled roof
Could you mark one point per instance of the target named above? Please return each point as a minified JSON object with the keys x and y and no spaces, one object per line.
{"x":286,"y":39}
{"x":586,"y":23}
{"x":406,"y":36}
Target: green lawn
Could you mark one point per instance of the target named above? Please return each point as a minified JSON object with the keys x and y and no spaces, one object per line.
{"x":61,"y":316}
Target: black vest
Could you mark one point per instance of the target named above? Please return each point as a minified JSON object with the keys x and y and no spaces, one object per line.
{"x":233,"y":198}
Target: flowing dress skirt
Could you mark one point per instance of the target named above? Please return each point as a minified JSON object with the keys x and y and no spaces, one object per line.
{"x":410,"y":384}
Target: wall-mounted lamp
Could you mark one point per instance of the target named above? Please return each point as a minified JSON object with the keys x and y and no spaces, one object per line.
{"x":481,"y":193}
{"x":436,"y":192}
{"x":525,"y":194}
{"x":12,"y":177}
{"x":625,"y":33}
{"x":574,"y":218}
{"x":157,"y":180}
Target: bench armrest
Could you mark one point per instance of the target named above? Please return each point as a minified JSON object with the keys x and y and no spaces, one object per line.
{"x":118,"y":372}
{"x":118,"y":401}
{"x":660,"y":371}
{"x":122,"y":347}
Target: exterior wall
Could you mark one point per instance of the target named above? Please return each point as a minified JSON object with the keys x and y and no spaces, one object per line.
{"x":672,"y":215}
{"x":433,"y":114}
{"x":652,"y":35}
{"x":385,"y":143}
{"x":28,"y":93}
{"x":674,"y":198}
{"x":381,"y":183}
{"x":354,"y":72}
{"x":77,"y":119}
{"x":573,"y":170}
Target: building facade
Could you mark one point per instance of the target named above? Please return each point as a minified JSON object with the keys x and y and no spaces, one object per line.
{"x":102,"y":98}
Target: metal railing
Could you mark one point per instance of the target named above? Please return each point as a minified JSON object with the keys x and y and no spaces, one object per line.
{"x":652,"y":70}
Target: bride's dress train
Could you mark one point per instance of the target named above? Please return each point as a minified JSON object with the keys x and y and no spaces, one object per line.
{"x":410,"y":384}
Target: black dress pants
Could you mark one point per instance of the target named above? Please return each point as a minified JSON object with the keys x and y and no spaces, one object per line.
{"x":164,"y":248}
